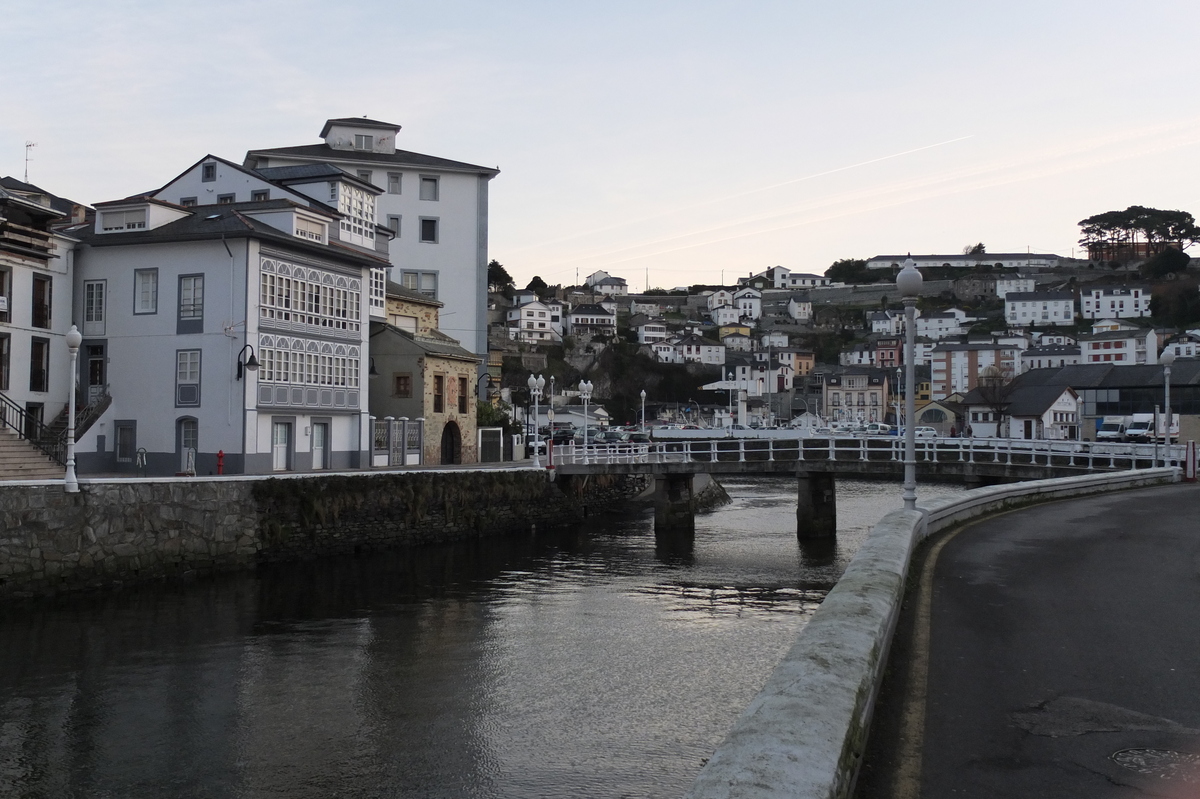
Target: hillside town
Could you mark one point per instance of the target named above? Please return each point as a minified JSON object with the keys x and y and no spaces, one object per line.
{"x":332,"y":305}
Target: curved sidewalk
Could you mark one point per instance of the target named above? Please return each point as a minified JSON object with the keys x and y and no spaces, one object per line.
{"x":1049,"y":651}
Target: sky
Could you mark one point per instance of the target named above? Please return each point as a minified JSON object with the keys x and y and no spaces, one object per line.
{"x":669,"y":143}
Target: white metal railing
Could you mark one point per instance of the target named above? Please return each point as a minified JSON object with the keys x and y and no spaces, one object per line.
{"x":1077,"y":454}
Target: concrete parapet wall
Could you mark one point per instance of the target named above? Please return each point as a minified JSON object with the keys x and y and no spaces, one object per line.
{"x":804,"y":734}
{"x":120,"y":531}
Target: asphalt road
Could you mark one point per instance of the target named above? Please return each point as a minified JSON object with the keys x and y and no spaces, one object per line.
{"x":1057,"y":652}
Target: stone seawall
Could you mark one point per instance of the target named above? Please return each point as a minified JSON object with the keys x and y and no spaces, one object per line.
{"x":116,"y":532}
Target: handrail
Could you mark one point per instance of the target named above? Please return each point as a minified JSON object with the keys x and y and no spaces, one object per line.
{"x":20,"y":420}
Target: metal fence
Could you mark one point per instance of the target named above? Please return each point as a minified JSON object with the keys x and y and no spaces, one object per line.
{"x":398,"y":442}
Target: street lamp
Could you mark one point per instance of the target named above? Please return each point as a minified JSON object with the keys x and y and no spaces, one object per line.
{"x":643,"y":395}
{"x":908,"y":283}
{"x":585,"y":393}
{"x":730,"y":377}
{"x":536,"y":384}
{"x":70,"y":484}
{"x":251,"y":363}
{"x":1167,"y":358}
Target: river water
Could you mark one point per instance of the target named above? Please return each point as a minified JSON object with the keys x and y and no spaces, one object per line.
{"x":582,"y":663}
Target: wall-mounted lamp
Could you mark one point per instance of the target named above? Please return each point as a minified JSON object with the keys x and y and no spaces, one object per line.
{"x":250,"y":364}
{"x":372,"y":372}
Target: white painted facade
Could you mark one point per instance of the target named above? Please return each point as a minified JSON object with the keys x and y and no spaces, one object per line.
{"x":749,"y":303}
{"x":1115,"y":303}
{"x":1123,"y":347}
{"x":1014,"y":285}
{"x":652,"y":332}
{"x":535,"y":323}
{"x":1019,"y":260}
{"x":1039,"y":309}
{"x":800,"y":309}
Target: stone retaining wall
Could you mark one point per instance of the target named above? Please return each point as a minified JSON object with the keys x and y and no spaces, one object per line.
{"x":113,"y":532}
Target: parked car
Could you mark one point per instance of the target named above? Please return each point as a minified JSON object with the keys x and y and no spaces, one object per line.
{"x":920,"y":432}
{"x":565,"y":436}
{"x":610,"y":437}
{"x":639,"y":438}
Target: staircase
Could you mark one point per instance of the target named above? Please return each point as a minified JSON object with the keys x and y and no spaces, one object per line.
{"x":20,"y":460}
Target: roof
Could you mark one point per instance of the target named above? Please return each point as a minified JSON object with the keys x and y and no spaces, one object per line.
{"x":1110,"y":375}
{"x":323,"y":152}
{"x":358,"y":122}
{"x":1112,"y":291}
{"x":694,"y":340}
{"x":987,"y":257}
{"x":226,"y":221}
{"x":434,"y":343}
{"x":1114,"y":335}
{"x":1053,"y":349}
{"x":590,"y":308}
{"x":1022,"y":400}
{"x":60,"y":204}
{"x":394,"y":289}
{"x":1023,"y":296}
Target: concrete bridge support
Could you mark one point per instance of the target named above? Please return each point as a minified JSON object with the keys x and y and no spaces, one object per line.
{"x":674,"y":505}
{"x":816,"y":505}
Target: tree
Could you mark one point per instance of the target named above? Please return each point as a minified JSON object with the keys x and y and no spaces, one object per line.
{"x":538,"y":286}
{"x":995,"y":388}
{"x":1123,"y":235}
{"x":497,"y":275}
{"x":1168,"y":261}
{"x":975,"y":249}
{"x":1177,"y":303}
{"x":853,"y":270}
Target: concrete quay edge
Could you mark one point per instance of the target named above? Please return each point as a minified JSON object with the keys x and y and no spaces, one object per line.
{"x":803,"y":735}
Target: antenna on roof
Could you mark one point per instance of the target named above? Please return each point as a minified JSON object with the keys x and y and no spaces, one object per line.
{"x":29,"y":145}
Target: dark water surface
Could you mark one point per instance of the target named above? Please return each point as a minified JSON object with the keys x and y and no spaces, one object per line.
{"x":585,"y":663}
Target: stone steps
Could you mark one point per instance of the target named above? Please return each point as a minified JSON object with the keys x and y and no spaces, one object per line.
{"x":20,"y":460}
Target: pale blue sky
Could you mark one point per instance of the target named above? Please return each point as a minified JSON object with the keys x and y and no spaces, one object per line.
{"x":678,"y":141}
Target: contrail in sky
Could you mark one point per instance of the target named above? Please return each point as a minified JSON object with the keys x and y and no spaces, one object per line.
{"x":746,"y":193}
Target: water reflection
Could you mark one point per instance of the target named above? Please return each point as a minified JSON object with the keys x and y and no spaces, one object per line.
{"x":587,"y":662}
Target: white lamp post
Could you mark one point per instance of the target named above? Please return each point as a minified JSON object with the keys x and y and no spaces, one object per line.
{"x":70,"y":484}
{"x":643,"y":395}
{"x":730,"y":376}
{"x":1167,"y":358}
{"x":536,"y":384}
{"x":908,"y":283}
{"x":585,"y":393}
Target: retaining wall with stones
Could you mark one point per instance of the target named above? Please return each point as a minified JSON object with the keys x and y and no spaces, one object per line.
{"x":114,"y":532}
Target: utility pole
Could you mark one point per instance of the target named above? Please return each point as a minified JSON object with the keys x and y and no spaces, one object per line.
{"x":29,"y":145}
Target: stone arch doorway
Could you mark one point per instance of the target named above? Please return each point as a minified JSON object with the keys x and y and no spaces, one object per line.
{"x":451,"y":444}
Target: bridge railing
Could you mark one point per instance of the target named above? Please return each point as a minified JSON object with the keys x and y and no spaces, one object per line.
{"x":1071,"y":454}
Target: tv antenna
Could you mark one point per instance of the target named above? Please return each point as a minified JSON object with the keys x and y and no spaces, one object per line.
{"x":29,"y":145}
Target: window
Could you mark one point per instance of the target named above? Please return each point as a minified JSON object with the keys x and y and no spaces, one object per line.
{"x":402,"y":386}
{"x":191,"y":304}
{"x":42,"y":295}
{"x":363,"y":141}
{"x":393,"y":222}
{"x":439,"y":394}
{"x":187,"y":378}
{"x":226,"y":199}
{"x":93,"y":308}
{"x":126,"y":440}
{"x":260,"y":195}
{"x":187,"y":202}
{"x":365,"y":174}
{"x":145,"y":291}
{"x":429,"y":187}
{"x":310,"y":229}
{"x":123,"y":220}
{"x":208,"y":173}
{"x":39,"y":364}
{"x":394,"y":182}
{"x":378,"y":289}
{"x":462,"y":395}
{"x":424,"y":282}
{"x":429,"y":230}
{"x":5,"y":356}
{"x":5,"y":294}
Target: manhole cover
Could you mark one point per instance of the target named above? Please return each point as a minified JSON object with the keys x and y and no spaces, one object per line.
{"x":1163,"y":764}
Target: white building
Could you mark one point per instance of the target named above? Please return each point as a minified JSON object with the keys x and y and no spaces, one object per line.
{"x":888,"y":322}
{"x":737,"y":342}
{"x":1115,"y":303}
{"x":536,"y":323}
{"x":436,"y":208}
{"x":806,"y":280}
{"x":748,"y":302}
{"x":1006,"y":260}
{"x":1011,"y":284}
{"x":611,"y":286}
{"x":943,"y":324}
{"x":696,"y":349}
{"x":1124,"y":347}
{"x":1039,"y":308}
{"x":1184,"y":345}
{"x":191,"y":296}
{"x":718,"y":298}
{"x":955,"y":368}
{"x":651,"y":332}
{"x":725,"y":315}
{"x":800,"y":307}
{"x":592,"y":320}
{"x":1049,"y":356}
{"x":773,"y":339}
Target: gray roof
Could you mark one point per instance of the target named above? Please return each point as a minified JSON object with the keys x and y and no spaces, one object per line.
{"x":1052,"y":349}
{"x":434,"y":343}
{"x":323,"y":152}
{"x":358,"y":122}
{"x":60,"y":204}
{"x":394,"y":289}
{"x":1115,"y":335}
{"x":1037,"y":296}
{"x":986,"y":258}
{"x":591,"y":310}
{"x":1110,"y":375}
{"x":1022,"y":400}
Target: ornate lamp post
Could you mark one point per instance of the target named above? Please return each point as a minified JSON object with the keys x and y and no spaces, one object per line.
{"x":536,"y":384}
{"x":908,"y":283}
{"x":730,"y":377}
{"x":70,"y":483}
{"x":585,"y":393}
{"x":643,"y":396}
{"x":1166,"y":359}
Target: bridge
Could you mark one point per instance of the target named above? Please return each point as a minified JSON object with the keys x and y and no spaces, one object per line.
{"x":817,"y":461}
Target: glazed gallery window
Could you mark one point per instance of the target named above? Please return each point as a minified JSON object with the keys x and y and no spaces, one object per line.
{"x":145,"y":291}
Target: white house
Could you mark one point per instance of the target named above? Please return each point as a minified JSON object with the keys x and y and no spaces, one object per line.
{"x":696,"y":349}
{"x":748,"y":302}
{"x":1184,"y":345}
{"x":737,"y":342}
{"x":1124,"y":347}
{"x":942,"y":324}
{"x":726,"y":315}
{"x":716,"y":299}
{"x":800,"y":307}
{"x":592,"y":319}
{"x":436,"y":209}
{"x":1006,"y":260}
{"x":1025,"y":412}
{"x":805,"y":280}
{"x":611,"y":286}
{"x":1014,"y":284}
{"x":1115,"y":303}
{"x":652,"y":331}
{"x":1049,"y":356}
{"x":197,"y":297}
{"x":774,"y":339}
{"x":888,"y":322}
{"x":955,"y":368}
{"x":1039,"y":308}
{"x":536,"y":323}
{"x":37,"y":272}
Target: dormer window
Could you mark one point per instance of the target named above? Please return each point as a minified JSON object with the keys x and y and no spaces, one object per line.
{"x":309,"y":229}
{"x":123,"y":220}
{"x":363,"y":141}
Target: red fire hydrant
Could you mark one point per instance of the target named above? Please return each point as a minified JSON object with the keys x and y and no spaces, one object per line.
{"x":220,"y":461}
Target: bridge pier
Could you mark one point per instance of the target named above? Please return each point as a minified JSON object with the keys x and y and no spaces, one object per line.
{"x":816,"y":505}
{"x":674,"y":505}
